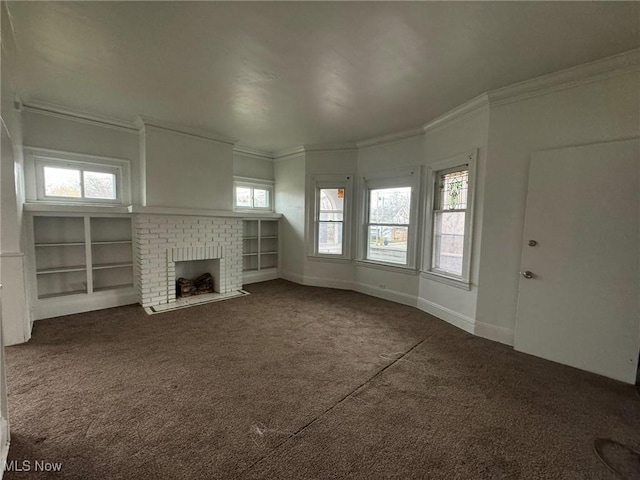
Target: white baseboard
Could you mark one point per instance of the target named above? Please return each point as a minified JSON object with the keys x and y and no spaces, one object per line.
{"x":292,"y":277}
{"x":454,"y":318}
{"x":328,"y":283}
{"x":386,"y":294}
{"x":495,"y":333}
{"x":68,"y":305}
{"x":261,"y":276}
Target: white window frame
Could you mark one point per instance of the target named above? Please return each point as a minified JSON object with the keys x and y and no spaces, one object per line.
{"x":36,"y":159}
{"x":468,"y":160}
{"x":246,"y":182}
{"x":316,"y":183}
{"x":390,"y":179}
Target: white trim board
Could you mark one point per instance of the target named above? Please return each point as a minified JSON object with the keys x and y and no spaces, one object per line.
{"x":454,"y":318}
{"x":193,"y":301}
{"x":386,"y":294}
{"x":495,"y":332}
{"x":68,"y":305}
{"x":261,"y":276}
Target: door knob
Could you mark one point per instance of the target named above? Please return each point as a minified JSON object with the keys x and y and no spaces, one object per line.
{"x":527,"y":274}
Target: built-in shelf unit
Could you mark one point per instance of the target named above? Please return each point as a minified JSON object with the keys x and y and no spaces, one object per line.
{"x":260,"y":248}
{"x":81,"y":262}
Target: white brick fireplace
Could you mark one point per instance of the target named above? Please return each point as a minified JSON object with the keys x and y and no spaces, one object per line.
{"x":162,"y":240}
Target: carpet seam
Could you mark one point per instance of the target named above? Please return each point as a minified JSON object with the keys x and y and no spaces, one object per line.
{"x":314,"y":420}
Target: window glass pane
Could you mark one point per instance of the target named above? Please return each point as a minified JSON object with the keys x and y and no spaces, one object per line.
{"x":100,"y":185}
{"x":330,"y":238}
{"x":390,"y":205}
{"x":388,"y":244}
{"x":331,"y":216}
{"x":448,"y":241}
{"x":260,"y":198}
{"x":62,"y":182}
{"x":243,"y":197}
{"x":453,"y":190}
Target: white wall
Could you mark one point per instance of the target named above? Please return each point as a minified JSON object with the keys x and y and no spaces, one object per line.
{"x":15,"y":310}
{"x":397,"y":285}
{"x":252,"y":166}
{"x":463,"y":135}
{"x":290,"y":201}
{"x":78,"y":136}
{"x":596,"y":112}
{"x":186,"y":171}
{"x":320,"y":271}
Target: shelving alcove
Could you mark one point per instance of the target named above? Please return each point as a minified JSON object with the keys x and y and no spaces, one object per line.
{"x":81,"y":259}
{"x":260,"y":249}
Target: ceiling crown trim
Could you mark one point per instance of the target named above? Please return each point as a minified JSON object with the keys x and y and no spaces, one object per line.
{"x":253,"y":152}
{"x":143,"y":122}
{"x":608,"y":67}
{"x":82,"y":116}
{"x":390,"y":138}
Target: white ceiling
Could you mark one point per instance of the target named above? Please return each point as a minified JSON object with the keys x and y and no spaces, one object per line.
{"x":277,"y":75}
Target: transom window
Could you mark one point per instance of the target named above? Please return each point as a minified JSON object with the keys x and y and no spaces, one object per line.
{"x":249,"y":194}
{"x":78,"y":181}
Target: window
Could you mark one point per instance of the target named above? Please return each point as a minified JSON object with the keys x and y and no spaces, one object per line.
{"x":388,"y":226}
{"x":74,"y":178}
{"x":330,"y":215}
{"x":252,"y":194}
{"x":450,"y":218}
{"x":450,"y":208}
{"x":390,"y":219}
{"x":330,"y":220}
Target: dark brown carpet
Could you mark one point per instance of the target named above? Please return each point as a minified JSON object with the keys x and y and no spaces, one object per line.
{"x":301,"y":382}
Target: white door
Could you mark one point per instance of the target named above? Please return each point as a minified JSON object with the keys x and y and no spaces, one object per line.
{"x":582,"y":305}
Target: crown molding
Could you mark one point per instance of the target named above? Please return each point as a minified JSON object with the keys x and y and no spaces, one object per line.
{"x":390,"y":138}
{"x":474,"y":105}
{"x":609,"y":67}
{"x":288,"y":152}
{"x":330,"y":147}
{"x":253,"y":152}
{"x":67,"y":113}
{"x":143,"y":122}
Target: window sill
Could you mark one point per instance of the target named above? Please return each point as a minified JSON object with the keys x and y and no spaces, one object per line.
{"x":451,"y":281}
{"x":328,"y":259}
{"x":388,"y":267}
{"x":42,"y":206}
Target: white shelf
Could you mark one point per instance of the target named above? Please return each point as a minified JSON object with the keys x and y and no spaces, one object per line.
{"x":76,"y":269}
{"x":64,"y":294}
{"x":112,"y":242}
{"x":265,"y":232}
{"x":73,"y":268}
{"x":104,"y":266}
{"x":61,"y":244}
{"x":113,"y":287}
